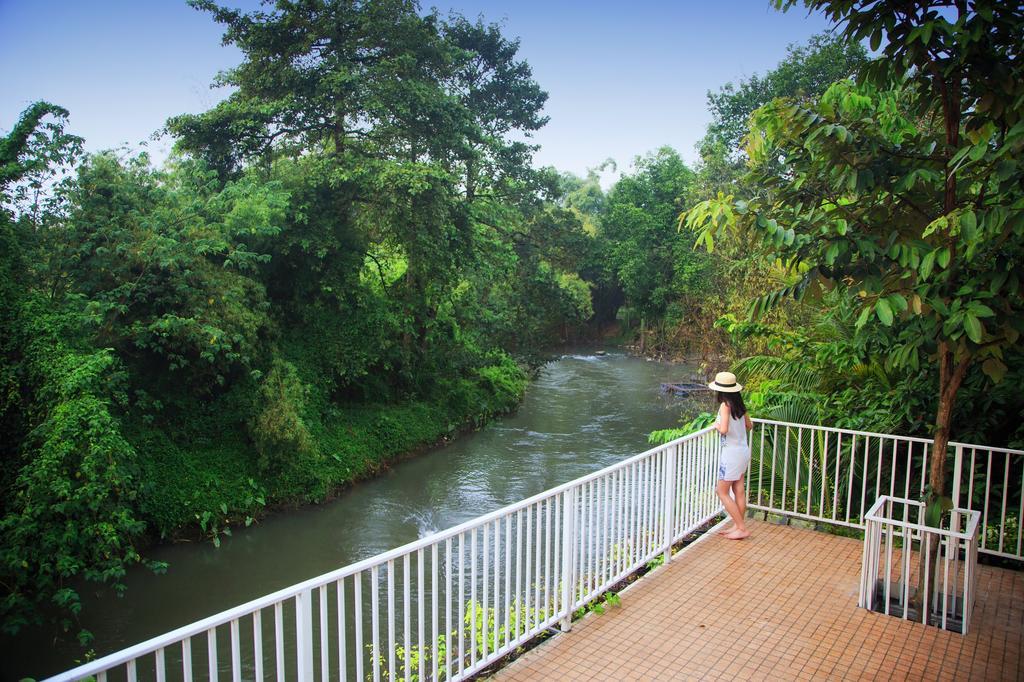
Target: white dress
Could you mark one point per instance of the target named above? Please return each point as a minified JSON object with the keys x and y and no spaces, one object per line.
{"x":735,"y":451}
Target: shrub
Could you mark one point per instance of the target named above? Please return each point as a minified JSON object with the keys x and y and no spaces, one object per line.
{"x":73,"y":512}
{"x":280,"y":434}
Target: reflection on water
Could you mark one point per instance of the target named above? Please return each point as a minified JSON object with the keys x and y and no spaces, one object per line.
{"x":585,"y":411}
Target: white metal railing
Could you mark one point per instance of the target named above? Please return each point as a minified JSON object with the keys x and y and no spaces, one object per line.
{"x":940,"y":592}
{"x":446,"y":606}
{"x":990,"y":481}
{"x":831,"y":475}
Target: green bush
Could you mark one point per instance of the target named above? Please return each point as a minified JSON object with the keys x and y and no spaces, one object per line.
{"x":279,"y":432}
{"x":73,"y":512}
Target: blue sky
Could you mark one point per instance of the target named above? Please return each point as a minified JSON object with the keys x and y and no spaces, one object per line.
{"x":623,"y":78}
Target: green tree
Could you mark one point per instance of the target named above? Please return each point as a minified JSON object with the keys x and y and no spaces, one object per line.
{"x":334,"y":266}
{"x":69,"y":476}
{"x":166,"y":260}
{"x":395,"y":131}
{"x":343,"y":76}
{"x":651,"y":261}
{"x":907,"y":186}
{"x":804,"y":73}
{"x":36,"y":149}
{"x":585,"y":197}
{"x":499,"y":94}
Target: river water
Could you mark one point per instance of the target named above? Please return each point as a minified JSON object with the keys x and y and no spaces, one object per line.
{"x":584,"y":412}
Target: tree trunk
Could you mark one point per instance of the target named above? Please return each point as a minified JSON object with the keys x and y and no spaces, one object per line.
{"x":470,"y":182}
{"x":951,"y":376}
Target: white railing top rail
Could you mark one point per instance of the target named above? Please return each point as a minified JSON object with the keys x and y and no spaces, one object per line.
{"x":873,"y":434}
{"x":199,"y":627}
{"x":875,"y":514}
{"x":987,"y":448}
{"x":833,"y":429}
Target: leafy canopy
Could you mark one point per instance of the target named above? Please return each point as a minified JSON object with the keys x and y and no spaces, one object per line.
{"x":856,"y":187}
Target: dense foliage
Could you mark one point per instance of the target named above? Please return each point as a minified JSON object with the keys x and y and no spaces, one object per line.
{"x":348,"y":258}
{"x":905,"y":191}
{"x":352,"y":256}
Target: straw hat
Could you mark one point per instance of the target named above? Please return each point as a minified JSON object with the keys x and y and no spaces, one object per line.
{"x":725,"y":382}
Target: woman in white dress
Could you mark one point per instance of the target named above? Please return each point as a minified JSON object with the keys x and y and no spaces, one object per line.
{"x":732,"y":423}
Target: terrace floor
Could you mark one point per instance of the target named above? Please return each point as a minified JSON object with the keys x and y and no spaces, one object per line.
{"x":781,"y":605}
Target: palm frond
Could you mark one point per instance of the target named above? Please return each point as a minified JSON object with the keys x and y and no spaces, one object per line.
{"x":802,"y":471}
{"x":792,"y":375}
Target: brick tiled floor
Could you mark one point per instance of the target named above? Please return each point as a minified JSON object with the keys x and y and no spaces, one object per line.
{"x":781,"y":605}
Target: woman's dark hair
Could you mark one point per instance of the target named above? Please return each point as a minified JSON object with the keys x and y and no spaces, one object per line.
{"x":735,"y":401}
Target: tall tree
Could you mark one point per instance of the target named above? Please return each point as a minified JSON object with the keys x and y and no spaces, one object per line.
{"x":400,"y":122}
{"x":327,"y":74}
{"x":499,"y":93}
{"x":68,"y":482}
{"x":804,"y":73}
{"x":651,"y":261}
{"x":33,"y":153}
{"x":908,"y":187}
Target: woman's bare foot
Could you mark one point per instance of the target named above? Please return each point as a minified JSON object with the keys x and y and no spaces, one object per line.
{"x":726,"y":530}
{"x":737,"y":534}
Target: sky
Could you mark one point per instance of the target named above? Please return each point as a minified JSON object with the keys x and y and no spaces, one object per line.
{"x":624,"y":78}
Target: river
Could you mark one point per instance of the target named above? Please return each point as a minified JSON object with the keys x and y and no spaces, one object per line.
{"x":585,"y":411}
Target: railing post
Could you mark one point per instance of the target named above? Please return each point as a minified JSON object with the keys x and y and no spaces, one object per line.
{"x":304,"y":635}
{"x":862,"y":597}
{"x":568,"y":556}
{"x":668,"y":508}
{"x":958,"y":461}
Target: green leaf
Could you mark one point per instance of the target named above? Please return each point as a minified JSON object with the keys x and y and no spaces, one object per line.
{"x":926,"y":33}
{"x":940,"y":223}
{"x":968,"y":221}
{"x":973,"y":327}
{"x":897,"y":302}
{"x":997,"y":281}
{"x":914,"y":258}
{"x":927,"y":263}
{"x":906,"y":182}
{"x":935,"y":508}
{"x":980,"y":309}
{"x":884,"y":312}
{"x":942,"y":258}
{"x":863,"y":319}
{"x":831,"y":252}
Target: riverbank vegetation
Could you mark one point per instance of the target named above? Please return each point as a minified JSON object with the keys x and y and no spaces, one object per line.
{"x":348,"y":258}
{"x":890,"y":208}
{"x":353,"y":256}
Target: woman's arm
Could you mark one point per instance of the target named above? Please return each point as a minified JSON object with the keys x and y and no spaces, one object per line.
{"x":750,"y":424}
{"x":722,"y":423}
